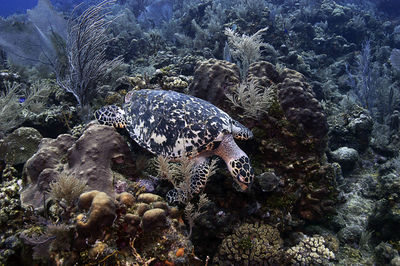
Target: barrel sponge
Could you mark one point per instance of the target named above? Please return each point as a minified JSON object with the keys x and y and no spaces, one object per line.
{"x":101,"y":212}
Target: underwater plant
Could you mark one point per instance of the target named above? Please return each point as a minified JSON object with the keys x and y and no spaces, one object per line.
{"x":67,"y":188}
{"x":180,"y":176}
{"x":86,"y":54}
{"x":245,"y":49}
{"x":252,"y":98}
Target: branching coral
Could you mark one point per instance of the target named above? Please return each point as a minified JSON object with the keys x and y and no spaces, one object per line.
{"x":180,"y":174}
{"x":17,"y":99}
{"x":192,"y":212}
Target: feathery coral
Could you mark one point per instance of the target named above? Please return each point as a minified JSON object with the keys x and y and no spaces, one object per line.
{"x":68,"y":188}
{"x":252,"y":98}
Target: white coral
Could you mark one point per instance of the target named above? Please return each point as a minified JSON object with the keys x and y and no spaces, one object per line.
{"x":310,"y":250}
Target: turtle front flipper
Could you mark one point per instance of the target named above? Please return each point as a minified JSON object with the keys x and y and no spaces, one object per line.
{"x":201,"y":171}
{"x":240,"y":132}
{"x":111,"y":115}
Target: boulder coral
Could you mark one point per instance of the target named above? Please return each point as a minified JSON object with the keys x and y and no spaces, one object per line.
{"x":90,"y":158}
{"x":101,"y":213}
{"x":213,"y":79}
{"x":40,"y":169}
{"x":156,"y":231}
{"x":20,"y":145}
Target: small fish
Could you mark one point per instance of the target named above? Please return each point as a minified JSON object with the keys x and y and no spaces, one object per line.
{"x":21,"y":99}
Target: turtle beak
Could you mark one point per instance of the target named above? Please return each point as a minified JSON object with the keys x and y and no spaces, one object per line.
{"x":242,"y":186}
{"x":242,"y":183}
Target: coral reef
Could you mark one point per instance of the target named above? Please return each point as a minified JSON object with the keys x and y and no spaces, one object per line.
{"x":10,"y":210}
{"x":321,"y":98}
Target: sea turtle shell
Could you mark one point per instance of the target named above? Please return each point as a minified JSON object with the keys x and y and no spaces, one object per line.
{"x":175,"y":124}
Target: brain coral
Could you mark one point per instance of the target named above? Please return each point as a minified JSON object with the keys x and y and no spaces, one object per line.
{"x":251,"y":244}
{"x":101,"y":212}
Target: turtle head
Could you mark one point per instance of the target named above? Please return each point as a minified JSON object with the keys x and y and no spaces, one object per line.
{"x":240,"y":132}
{"x":111,"y":115}
{"x":242,"y":172}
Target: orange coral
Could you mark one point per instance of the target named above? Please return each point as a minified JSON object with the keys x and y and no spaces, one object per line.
{"x":168,"y":263}
{"x":180,"y":252}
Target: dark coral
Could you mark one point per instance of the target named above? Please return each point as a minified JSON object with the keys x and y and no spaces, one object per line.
{"x":300,"y":105}
{"x":213,"y":79}
{"x":352,"y":127}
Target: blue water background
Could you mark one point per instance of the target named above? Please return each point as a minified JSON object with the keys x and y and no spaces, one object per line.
{"x":9,"y":7}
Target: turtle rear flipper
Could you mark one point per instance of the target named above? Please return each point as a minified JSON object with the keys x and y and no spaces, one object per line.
{"x":111,"y":115}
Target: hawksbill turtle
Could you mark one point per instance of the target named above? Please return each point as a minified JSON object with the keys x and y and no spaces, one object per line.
{"x":175,"y":125}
